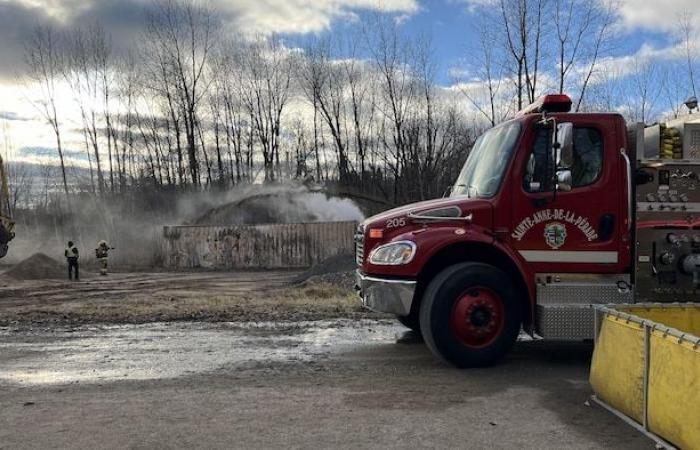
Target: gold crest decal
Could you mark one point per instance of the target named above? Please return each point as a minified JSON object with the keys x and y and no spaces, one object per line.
{"x":555,"y":234}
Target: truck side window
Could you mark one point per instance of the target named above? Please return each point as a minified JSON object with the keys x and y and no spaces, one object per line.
{"x":587,"y":166}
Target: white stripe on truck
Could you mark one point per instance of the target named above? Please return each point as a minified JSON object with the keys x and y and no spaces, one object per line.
{"x":569,"y":256}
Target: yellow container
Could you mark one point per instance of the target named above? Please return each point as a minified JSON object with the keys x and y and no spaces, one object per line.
{"x":646,"y":367}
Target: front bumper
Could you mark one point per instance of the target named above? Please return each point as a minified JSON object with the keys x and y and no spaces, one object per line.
{"x":384,"y":294}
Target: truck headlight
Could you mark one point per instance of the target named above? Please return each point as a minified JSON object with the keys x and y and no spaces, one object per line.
{"x":393,"y":254}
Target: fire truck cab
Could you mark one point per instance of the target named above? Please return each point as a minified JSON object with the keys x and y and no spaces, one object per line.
{"x":541,"y":224}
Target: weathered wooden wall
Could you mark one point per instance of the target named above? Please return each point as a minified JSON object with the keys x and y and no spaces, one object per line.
{"x":255,"y":246}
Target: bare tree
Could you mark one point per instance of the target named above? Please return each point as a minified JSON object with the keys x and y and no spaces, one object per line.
{"x":644,"y":92}
{"x":45,"y":61}
{"x":127,"y":83}
{"x":264,"y":80}
{"x":87,"y":73}
{"x":573,"y":20}
{"x":600,"y":37}
{"x":19,"y":178}
{"x":689,"y":38}
{"x":523,"y":29}
{"x":673,"y":92}
{"x":483,"y":90}
{"x":324,"y":82}
{"x":184,"y":34}
{"x":392,"y":56}
{"x":362,"y":102}
{"x":189,"y":108}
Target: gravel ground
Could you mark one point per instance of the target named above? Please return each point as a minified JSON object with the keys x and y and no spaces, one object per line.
{"x":339,"y":384}
{"x":342,"y":280}
{"x":266,"y":364}
{"x":201,"y":296}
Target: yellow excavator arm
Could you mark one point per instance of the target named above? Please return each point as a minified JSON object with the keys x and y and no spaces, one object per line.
{"x":6,"y":223}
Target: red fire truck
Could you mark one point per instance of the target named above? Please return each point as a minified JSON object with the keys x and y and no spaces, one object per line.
{"x":552,"y":213}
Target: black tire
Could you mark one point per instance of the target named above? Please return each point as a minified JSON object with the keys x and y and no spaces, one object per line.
{"x":500,"y":320}
{"x":412,"y":321}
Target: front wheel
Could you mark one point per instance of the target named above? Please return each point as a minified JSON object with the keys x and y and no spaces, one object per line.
{"x":470,"y":315}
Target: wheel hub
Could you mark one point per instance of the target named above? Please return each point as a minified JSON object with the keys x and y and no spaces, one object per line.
{"x":477,"y":317}
{"x":480,"y":317}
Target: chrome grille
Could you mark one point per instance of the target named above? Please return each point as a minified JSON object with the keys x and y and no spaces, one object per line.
{"x":360,"y":245}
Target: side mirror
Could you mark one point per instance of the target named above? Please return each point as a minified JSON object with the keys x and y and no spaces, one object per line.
{"x":564,"y":180}
{"x":564,"y":145}
{"x":533,"y":186}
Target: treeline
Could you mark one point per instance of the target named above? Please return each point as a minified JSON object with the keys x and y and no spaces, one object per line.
{"x":196,"y":107}
{"x":193,"y":106}
{"x":524,"y":48}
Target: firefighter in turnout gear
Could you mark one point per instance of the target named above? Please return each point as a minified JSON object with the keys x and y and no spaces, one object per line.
{"x":72,"y":256}
{"x":102,"y":253}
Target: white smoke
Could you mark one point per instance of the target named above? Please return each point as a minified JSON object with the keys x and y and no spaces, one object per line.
{"x":281,"y":203}
{"x":135,"y":230}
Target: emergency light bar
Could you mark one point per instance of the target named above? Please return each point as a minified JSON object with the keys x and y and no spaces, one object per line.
{"x":548,"y":103}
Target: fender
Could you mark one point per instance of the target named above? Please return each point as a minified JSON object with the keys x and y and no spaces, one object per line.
{"x":432,"y":245}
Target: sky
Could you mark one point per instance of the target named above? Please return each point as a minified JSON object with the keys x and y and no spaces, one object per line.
{"x":642,"y":27}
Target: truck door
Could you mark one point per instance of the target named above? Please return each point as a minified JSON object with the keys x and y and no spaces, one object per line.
{"x":580,"y":230}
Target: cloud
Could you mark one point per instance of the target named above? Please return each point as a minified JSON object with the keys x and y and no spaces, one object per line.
{"x":473,"y":5}
{"x":625,"y":65}
{"x":51,"y":153}
{"x":304,"y":16}
{"x":655,"y":15}
{"x":16,"y":22}
{"x":13,"y":117}
{"x":458,"y":73}
{"x":124,"y":19}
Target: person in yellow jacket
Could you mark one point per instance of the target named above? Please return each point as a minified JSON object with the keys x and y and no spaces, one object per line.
{"x":72,"y":255}
{"x":102,"y":254}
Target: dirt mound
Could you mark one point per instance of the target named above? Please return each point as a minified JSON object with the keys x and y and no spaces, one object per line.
{"x":296,"y":205}
{"x":36,"y":267}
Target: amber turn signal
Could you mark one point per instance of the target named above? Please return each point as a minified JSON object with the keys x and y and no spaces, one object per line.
{"x":376,"y":233}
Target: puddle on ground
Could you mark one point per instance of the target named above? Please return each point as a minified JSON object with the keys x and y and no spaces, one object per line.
{"x":95,"y":354}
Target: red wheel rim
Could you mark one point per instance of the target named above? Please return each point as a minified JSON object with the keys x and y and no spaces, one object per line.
{"x":477,"y":317}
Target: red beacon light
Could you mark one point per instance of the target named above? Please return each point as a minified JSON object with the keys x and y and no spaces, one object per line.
{"x":552,"y":103}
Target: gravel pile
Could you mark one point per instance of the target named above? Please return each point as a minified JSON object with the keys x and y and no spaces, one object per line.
{"x":344,"y":280}
{"x":37,"y":267}
{"x":337,"y":270}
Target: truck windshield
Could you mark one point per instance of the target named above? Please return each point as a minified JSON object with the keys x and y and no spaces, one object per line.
{"x":483,"y":171}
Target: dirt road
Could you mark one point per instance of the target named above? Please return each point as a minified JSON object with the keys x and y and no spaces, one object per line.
{"x":315,"y":384}
{"x":244,"y":360}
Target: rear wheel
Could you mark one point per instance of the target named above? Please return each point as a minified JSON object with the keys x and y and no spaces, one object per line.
{"x":470,"y":315}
